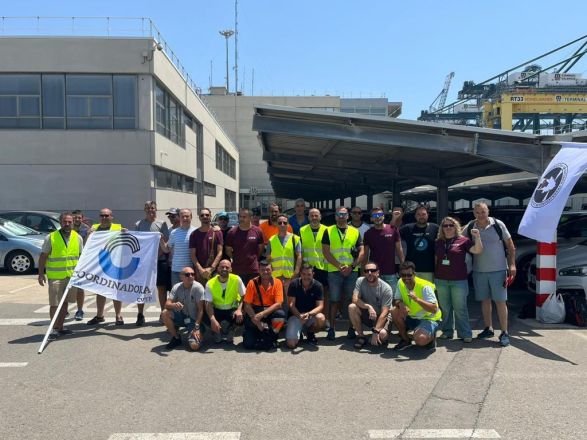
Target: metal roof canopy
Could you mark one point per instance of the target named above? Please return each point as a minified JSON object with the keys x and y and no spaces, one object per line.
{"x":321,"y":155}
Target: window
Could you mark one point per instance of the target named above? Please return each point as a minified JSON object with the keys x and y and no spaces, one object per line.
{"x":229,"y":200}
{"x":209,"y":189}
{"x":169,"y":116}
{"x":225,"y":162}
{"x":165,"y":179}
{"x":20,"y":101}
{"x":125,"y":101}
{"x":89,"y":101}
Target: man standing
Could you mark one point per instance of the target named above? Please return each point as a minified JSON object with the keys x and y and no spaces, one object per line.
{"x":223,"y":220}
{"x":357,"y":221}
{"x":306,"y":302}
{"x":178,"y":245}
{"x":269,"y":228}
{"x":206,"y":247}
{"x":343,"y":250}
{"x":372,"y":301}
{"x":415,"y":308}
{"x":298,"y":219}
{"x":284,"y":252}
{"x":492,"y":269}
{"x":59,"y":255}
{"x":225,"y":309}
{"x":264,"y":316}
{"x":244,"y":244}
{"x":256,"y":216}
{"x":173,"y":216}
{"x":106,"y":224}
{"x":150,"y":224}
{"x":419,"y":238}
{"x":83,"y":230}
{"x":185,"y":307}
{"x":311,"y":236}
{"x":382,"y":244}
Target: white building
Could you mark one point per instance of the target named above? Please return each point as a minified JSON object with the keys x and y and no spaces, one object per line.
{"x":94,"y":122}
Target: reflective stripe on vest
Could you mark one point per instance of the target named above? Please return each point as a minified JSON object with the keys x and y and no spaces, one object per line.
{"x":113,"y":227}
{"x":283,"y":257}
{"x":231,"y":297}
{"x":62,"y":260}
{"x":342,"y":250}
{"x":416,"y":310}
{"x":312,"y":246}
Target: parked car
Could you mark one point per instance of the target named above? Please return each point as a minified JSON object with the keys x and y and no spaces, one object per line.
{"x":232,"y":218}
{"x":40,"y":221}
{"x":20,"y":247}
{"x":571,"y":268}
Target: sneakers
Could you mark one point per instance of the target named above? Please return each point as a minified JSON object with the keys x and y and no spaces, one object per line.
{"x":64,"y":332}
{"x":351,"y":334}
{"x":311,"y":337}
{"x":467,"y":340}
{"x":504,"y":339}
{"x":486,"y":333}
{"x":402,"y":345}
{"x":53,"y":335}
{"x":330,"y":335}
{"x":79,"y":315}
{"x":230,"y":336}
{"x":175,"y":342}
{"x":96,"y":320}
{"x":217,"y":338}
{"x":140,"y":320}
{"x":445,"y":336}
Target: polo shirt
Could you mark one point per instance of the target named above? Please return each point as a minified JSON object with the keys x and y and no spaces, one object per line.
{"x":273,"y":294}
{"x":305,"y":299}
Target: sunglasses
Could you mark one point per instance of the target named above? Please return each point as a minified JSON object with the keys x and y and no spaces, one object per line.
{"x":356,"y":212}
{"x":282,"y":223}
{"x":104,"y":215}
{"x":406,"y":275}
{"x":371,"y":270}
{"x":377,"y":215}
{"x":204,"y":215}
{"x":448,"y":225}
{"x":341,"y":214}
{"x":188,"y":274}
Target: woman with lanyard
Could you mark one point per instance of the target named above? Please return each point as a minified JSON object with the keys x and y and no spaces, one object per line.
{"x":450,"y":275}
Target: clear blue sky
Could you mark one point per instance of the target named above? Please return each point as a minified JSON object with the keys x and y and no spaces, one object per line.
{"x":402,"y":50}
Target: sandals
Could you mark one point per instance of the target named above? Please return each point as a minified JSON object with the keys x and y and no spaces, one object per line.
{"x":119,"y":321}
{"x":361,"y":341}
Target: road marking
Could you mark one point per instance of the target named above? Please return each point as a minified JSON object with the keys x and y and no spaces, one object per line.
{"x":433,"y":433}
{"x":13,"y":364}
{"x":131,"y":308}
{"x":23,"y":288}
{"x":580,"y":334}
{"x":24,"y":321}
{"x":177,"y":436}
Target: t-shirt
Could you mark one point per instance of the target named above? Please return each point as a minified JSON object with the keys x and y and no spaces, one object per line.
{"x":362,"y":229}
{"x":382,"y":244}
{"x":420,"y":245}
{"x":245,"y":249}
{"x":179,"y":241}
{"x":270,"y":230}
{"x":493,"y":258}
{"x":83,"y":230}
{"x":190,"y":297}
{"x":342,"y":232}
{"x":273,"y":294}
{"x":305,"y":299}
{"x":46,"y":248}
{"x":295,"y":226}
{"x":377,"y":296}
{"x":455,"y":250}
{"x":156,"y":226}
{"x":241,"y":288}
{"x":428,"y":294}
{"x":202,"y":243}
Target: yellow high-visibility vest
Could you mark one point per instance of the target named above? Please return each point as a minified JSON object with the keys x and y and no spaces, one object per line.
{"x":340,"y":246}
{"x":283,"y":258}
{"x":62,"y":260}
{"x":416,"y":310}
{"x":312,"y":246}
{"x":228,"y":298}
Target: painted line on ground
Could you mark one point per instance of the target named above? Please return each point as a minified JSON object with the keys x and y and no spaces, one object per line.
{"x":23,"y":288}
{"x":580,"y":334}
{"x":13,"y":364}
{"x":177,"y":436}
{"x":45,"y":322}
{"x":433,"y":433}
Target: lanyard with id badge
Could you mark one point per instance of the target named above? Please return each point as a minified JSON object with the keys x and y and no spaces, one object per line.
{"x":447,"y":246}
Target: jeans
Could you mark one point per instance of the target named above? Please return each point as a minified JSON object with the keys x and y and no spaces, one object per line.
{"x":452,"y":297}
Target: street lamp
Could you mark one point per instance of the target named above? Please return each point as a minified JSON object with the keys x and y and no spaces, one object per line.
{"x":227,"y":34}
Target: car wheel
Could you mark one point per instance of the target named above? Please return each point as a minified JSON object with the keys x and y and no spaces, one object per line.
{"x":19,"y":262}
{"x":523,"y":269}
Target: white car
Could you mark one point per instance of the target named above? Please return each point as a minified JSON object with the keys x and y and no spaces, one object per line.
{"x":20,"y":247}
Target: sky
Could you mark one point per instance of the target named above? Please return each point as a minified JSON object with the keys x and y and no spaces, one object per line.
{"x":402,"y":50}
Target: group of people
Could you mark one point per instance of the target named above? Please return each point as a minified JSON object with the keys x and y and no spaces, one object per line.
{"x":295,"y":272}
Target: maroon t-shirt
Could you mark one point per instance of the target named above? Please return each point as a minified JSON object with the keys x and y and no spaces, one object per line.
{"x":455,"y":250}
{"x":381,"y":244}
{"x":202,"y":242}
{"x":245,"y":249}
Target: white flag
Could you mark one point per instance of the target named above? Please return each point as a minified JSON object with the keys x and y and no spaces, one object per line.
{"x":550,"y":196}
{"x":119,"y":265}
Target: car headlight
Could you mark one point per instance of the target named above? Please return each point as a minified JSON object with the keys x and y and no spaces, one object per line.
{"x":573,"y":271}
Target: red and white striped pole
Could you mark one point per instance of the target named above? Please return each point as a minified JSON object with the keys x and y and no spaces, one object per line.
{"x":545,"y":272}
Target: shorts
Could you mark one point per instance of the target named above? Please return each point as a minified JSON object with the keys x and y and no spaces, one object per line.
{"x":338,"y":285}
{"x":427,"y":325}
{"x":163,"y":275}
{"x":56,"y":289}
{"x":321,"y":276}
{"x":180,"y":319}
{"x":294,"y":327}
{"x":222,"y":315}
{"x":490,"y":285}
{"x":370,"y":323}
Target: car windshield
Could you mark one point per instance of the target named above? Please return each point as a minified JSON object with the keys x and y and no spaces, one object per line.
{"x":16,"y":229}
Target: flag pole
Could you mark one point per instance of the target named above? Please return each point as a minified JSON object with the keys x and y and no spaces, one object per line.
{"x":55,"y":315}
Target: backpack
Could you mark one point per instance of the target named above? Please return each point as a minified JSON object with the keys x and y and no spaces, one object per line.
{"x":575,"y":308}
{"x":497,"y":228}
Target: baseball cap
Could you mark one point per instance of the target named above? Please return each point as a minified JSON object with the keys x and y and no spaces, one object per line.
{"x":172,"y":211}
{"x":223,"y":214}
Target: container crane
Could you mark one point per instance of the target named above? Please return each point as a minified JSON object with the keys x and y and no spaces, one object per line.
{"x":440,"y":100}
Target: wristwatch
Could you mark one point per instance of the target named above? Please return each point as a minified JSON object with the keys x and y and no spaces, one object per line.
{"x":197,"y":327}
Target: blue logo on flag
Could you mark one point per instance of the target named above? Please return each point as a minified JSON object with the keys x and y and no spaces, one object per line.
{"x":105,"y":256}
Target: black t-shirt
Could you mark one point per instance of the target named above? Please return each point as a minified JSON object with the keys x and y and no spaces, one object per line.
{"x":420,"y":245}
{"x":305,"y":299}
